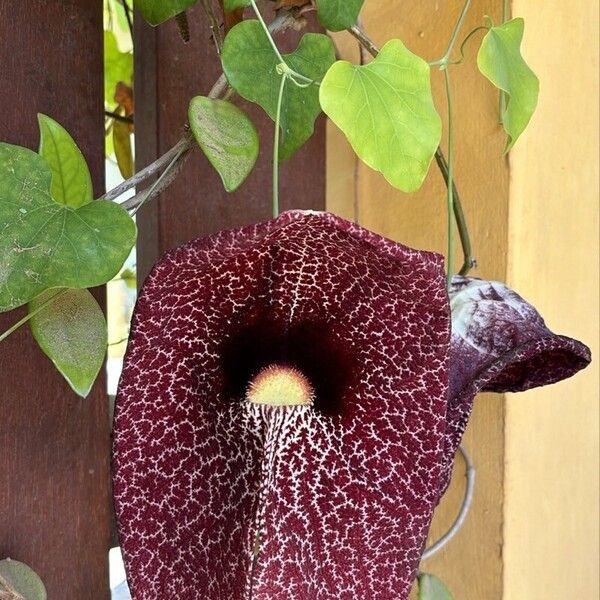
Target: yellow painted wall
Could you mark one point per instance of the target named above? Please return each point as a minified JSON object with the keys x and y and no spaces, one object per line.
{"x":551,"y":479}
{"x":546,"y":528}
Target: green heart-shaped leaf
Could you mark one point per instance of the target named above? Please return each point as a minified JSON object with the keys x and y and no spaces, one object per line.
{"x":71,"y":179}
{"x":499,"y":59}
{"x":44,"y":244}
{"x":156,"y":12}
{"x":251,"y":68}
{"x":385,"y":109}
{"x":17,"y":580}
{"x":336,"y":15}
{"x":227,"y":137}
{"x":71,"y":330}
{"x":431,"y":588}
{"x":118,"y":66}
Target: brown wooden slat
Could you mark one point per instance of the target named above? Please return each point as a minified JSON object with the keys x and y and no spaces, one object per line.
{"x":196,"y":204}
{"x":54,"y":447}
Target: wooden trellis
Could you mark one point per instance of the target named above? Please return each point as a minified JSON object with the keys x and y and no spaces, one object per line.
{"x":55,"y":504}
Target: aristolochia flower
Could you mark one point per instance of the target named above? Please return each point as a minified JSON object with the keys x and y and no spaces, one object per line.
{"x":281,"y":428}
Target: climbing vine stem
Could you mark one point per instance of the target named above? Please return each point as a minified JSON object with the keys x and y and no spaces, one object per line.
{"x":469,"y":260}
{"x":363,"y":39}
{"x":285,"y":19}
{"x":267,"y":32}
{"x":464,"y":508}
{"x":286,"y":72}
{"x":284,"y":77}
{"x":450,"y":186}
{"x":171,"y":171}
{"x":444,"y":64}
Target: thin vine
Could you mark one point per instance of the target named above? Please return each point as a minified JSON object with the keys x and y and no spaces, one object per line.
{"x":450,"y":186}
{"x":284,"y":78}
{"x":444,"y":64}
{"x":502,"y":93}
{"x":445,"y":60}
{"x":286,"y":73}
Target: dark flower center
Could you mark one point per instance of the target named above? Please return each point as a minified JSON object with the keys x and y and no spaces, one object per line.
{"x":308,"y":347}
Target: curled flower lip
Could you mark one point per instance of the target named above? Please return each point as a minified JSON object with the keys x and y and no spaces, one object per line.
{"x":500,"y":343}
{"x":222,"y":499}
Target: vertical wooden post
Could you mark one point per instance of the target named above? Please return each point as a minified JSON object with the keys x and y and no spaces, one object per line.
{"x":168,"y":74}
{"x":54,"y":447}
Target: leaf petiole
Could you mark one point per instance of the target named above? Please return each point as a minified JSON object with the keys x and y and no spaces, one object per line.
{"x":445,"y":60}
{"x":31,"y":314}
{"x":462,"y":48}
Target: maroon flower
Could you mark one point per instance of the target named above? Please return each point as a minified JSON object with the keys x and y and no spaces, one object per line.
{"x":500,"y":343}
{"x":282,"y":429}
{"x":221,"y":495}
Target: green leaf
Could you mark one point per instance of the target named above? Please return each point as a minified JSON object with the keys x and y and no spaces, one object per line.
{"x":118,"y":66}
{"x":250,"y":65}
{"x":44,"y":244}
{"x":227,"y":137}
{"x":337,"y":15}
{"x":231,"y":5}
{"x":17,"y":581}
{"x":71,"y":179}
{"x":386,"y":111}
{"x":431,"y":588}
{"x":71,"y":331}
{"x":158,"y":11}
{"x":499,"y":59}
